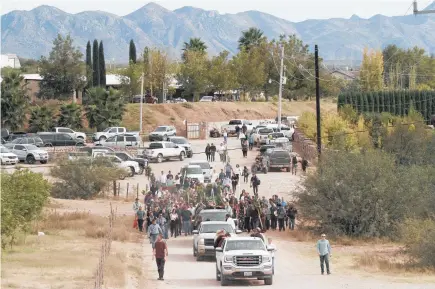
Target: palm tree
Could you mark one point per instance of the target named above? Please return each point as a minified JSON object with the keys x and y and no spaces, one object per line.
{"x":14,"y":101}
{"x":70,"y":116}
{"x":250,"y":38}
{"x":194,"y":44}
{"x":41,"y":119}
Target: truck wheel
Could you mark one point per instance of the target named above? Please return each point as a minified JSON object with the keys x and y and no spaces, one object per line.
{"x":122,"y":176}
{"x":224,"y":281}
{"x":288,"y":169}
{"x":30,"y":159}
{"x":159,"y":158}
{"x":43,"y":162}
{"x":182,"y":155}
{"x":198,"y":258}
{"x":102,"y":138}
{"x":194,"y":252}
{"x":141,"y":169}
{"x":218,"y":276}
{"x":268,"y":281}
{"x":130,"y":172}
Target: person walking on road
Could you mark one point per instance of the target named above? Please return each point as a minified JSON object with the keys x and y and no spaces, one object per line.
{"x":225,"y":135}
{"x":245,"y":174}
{"x":208,"y":152}
{"x":174,"y":217}
{"x":281,"y":216}
{"x":291,"y":213}
{"x":140,"y":214}
{"x":212,"y":152}
{"x":154,"y":230}
{"x":160,"y":252}
{"x":324,"y":251}
{"x":245,"y":148}
{"x":294,"y":165}
{"x":255,"y":182}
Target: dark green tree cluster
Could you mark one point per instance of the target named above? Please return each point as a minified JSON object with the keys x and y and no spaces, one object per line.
{"x":396,"y":102}
{"x":95,"y":64}
{"x":45,"y":118}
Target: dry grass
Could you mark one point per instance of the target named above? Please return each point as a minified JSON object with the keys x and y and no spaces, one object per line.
{"x":175,"y":113}
{"x":71,"y":247}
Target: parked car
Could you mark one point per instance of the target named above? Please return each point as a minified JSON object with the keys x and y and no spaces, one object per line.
{"x":207,"y":170}
{"x":131,"y":167}
{"x":111,"y":131}
{"x":179,"y":100}
{"x":244,"y":258}
{"x":182,"y":142}
{"x":52,"y":139}
{"x":30,"y":153}
{"x":136,"y":99}
{"x":164,"y":150}
{"x":207,"y":98}
{"x":127,"y":157}
{"x":7,"y":157}
{"x":192,"y":172}
{"x":121,"y":140}
{"x":89,"y":150}
{"x":278,"y":159}
{"x":261,"y":135}
{"x":162,"y":133}
{"x":231,"y":126}
{"x":203,"y":238}
{"x":15,"y":135}
{"x":264,"y":148}
{"x":74,"y":134}
{"x":37,"y":141}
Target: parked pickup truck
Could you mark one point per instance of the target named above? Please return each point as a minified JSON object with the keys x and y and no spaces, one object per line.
{"x":111,"y":131}
{"x":73,"y":134}
{"x":231,"y":126}
{"x":244,"y":258}
{"x":278,"y":159}
{"x":164,"y":150}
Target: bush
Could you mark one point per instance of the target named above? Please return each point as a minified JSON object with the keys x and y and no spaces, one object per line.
{"x":23,"y":195}
{"x":419,"y":236}
{"x":358,"y":194}
{"x":83,"y":178}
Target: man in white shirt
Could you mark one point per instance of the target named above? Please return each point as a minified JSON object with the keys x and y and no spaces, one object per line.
{"x":162,"y":179}
{"x":231,"y":221}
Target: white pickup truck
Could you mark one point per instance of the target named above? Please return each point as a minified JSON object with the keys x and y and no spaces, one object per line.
{"x":244,"y":258}
{"x":112,"y":131}
{"x":164,"y":150}
{"x":231,"y":126}
{"x":74,"y":134}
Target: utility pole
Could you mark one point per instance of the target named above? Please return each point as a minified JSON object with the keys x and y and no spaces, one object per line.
{"x":281,"y":72}
{"x":319,"y":134}
{"x":141,"y":101}
{"x":416,"y":12}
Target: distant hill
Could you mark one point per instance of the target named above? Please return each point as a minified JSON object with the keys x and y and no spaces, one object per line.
{"x":30,"y":33}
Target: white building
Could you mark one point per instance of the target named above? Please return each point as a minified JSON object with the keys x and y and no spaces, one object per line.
{"x":10,"y":60}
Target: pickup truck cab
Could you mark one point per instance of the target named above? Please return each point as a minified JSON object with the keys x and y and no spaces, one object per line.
{"x":164,"y":150}
{"x":244,"y":258}
{"x":111,"y":131}
{"x":193,"y":172}
{"x":231,"y":126}
{"x":182,"y":142}
{"x":261,"y":135}
{"x":204,"y":237}
{"x":73,"y":134}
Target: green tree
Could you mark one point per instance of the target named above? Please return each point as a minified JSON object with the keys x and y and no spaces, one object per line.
{"x":102,"y":65}
{"x":104,"y":108}
{"x":62,"y":72}
{"x":193,"y":75}
{"x":196,"y":45}
{"x":132,"y":52}
{"x":249,"y":70}
{"x":372,"y":68}
{"x":41,"y":119}
{"x":14,"y":101}
{"x":70,"y":116}
{"x":221,"y":76}
{"x":95,"y":64}
{"x":89,"y":64}
{"x":23,"y":196}
{"x":253,"y":37}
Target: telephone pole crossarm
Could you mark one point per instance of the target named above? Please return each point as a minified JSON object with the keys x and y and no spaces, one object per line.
{"x":416,"y":12}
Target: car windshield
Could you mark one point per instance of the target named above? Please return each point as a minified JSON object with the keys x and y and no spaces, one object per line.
{"x":194,"y":171}
{"x":233,"y":122}
{"x":281,"y":155}
{"x":179,"y":140}
{"x":244,"y":245}
{"x":265,"y":131}
{"x":4,"y":150}
{"x":204,"y":166}
{"x":213,"y":216}
{"x":32,"y":147}
{"x":123,"y":156}
{"x":161,"y":128}
{"x":155,"y":145}
{"x":213,"y":228}
{"x":17,"y":140}
{"x":107,"y":129}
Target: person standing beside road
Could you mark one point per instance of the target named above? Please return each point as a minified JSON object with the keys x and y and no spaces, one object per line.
{"x":160,"y":252}
{"x":324,"y":251}
{"x":136,"y":205}
{"x":234,"y":182}
{"x":291,"y":213}
{"x":251,"y":141}
{"x":140,"y":214}
{"x":212,"y":152}
{"x":294,"y":164}
{"x":244,"y":129}
{"x":230,"y":221}
{"x":174,"y":217}
{"x":245,"y":148}
{"x":153,"y":231}
{"x":222,"y":151}
{"x":228,"y":170}
{"x":225,"y":135}
{"x":237,"y":131}
{"x":162,"y":180}
{"x":161,"y":221}
{"x":255,"y":182}
{"x":185,"y":217}
{"x":245,"y":174}
{"x":281,"y":217}
{"x":208,"y":152}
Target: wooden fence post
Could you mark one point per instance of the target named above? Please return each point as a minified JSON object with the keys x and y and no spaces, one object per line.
{"x":137,"y":191}
{"x":128,"y":185}
{"x":119,"y":188}
{"x":114,"y":188}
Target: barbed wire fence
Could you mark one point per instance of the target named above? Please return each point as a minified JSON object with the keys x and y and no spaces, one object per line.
{"x":105,"y":251}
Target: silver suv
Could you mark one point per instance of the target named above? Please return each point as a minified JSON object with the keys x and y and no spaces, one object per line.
{"x":30,"y":153}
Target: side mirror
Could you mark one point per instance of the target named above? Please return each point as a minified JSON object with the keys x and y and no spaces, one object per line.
{"x":211,"y":168}
{"x":195,"y":232}
{"x":218,"y":249}
{"x":203,"y":173}
{"x":238,"y":231}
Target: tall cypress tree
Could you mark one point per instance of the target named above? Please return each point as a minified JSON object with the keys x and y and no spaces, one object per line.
{"x":95,"y":64}
{"x":89,"y":77}
{"x":132,"y":52}
{"x":102,"y":65}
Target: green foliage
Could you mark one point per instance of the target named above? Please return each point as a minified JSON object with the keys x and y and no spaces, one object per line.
{"x":253,"y":37}
{"x":102,"y":65}
{"x":23,"y":196}
{"x":70,"y":116}
{"x":194,"y":45}
{"x":95,"y":64}
{"x":193,"y":73}
{"x":41,"y":119}
{"x":419,"y":237}
{"x":249,"y":70}
{"x":221,"y":73}
{"x":14,"y":101}
{"x":104,"y":108}
{"x":132,"y":52}
{"x":62,"y":72}
{"x":89,"y":64}
{"x":83,"y":178}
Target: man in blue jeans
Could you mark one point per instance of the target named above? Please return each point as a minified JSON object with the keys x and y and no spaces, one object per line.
{"x":324,"y":251}
{"x":186,"y":216}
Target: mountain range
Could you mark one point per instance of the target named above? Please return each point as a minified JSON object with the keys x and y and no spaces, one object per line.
{"x":30,"y":34}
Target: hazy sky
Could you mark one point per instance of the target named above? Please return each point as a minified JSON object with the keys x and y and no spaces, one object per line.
{"x":288,"y":9}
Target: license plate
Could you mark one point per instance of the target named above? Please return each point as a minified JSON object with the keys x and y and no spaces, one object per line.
{"x":247,"y":274}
